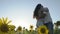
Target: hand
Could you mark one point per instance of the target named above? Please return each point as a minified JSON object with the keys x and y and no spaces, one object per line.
{"x":33,"y":16}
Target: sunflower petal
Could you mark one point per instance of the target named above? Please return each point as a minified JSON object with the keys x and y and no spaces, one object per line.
{"x":9,"y":22}
{"x":6,"y":20}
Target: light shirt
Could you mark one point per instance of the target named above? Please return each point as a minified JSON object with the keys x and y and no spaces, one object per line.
{"x":48,"y":17}
{"x":40,"y":22}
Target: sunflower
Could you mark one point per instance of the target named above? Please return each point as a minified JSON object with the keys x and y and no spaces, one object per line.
{"x":19,"y":28}
{"x":11,"y":27}
{"x":4,"y":24}
{"x":42,"y":30}
{"x":0,"y":22}
{"x":31,"y":27}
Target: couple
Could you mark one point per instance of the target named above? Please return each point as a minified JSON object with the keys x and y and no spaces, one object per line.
{"x":43,"y":17}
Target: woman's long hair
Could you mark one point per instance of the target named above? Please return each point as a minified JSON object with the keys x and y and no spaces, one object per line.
{"x":38,"y":7}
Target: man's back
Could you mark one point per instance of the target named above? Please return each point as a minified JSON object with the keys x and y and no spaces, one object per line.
{"x":47,"y":17}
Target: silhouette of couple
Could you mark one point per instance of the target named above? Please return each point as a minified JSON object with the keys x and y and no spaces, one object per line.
{"x":43,"y":17}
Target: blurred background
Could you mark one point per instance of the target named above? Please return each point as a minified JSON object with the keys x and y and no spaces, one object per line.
{"x":21,"y":11}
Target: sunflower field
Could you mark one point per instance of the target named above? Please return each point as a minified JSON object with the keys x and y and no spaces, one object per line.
{"x":5,"y":28}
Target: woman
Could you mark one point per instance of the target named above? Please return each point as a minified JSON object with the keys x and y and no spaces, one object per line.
{"x":38,"y":15}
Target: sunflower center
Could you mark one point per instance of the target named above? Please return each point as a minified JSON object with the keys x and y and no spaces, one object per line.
{"x":43,"y":30}
{"x":4,"y":28}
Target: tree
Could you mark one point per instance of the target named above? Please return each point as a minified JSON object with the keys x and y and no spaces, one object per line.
{"x":57,"y":24}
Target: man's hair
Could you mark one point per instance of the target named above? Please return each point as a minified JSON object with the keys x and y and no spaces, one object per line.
{"x":38,"y":7}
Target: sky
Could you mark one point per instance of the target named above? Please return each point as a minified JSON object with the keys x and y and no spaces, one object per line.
{"x":21,"y":11}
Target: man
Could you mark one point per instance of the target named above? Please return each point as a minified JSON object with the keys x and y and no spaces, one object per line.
{"x":48,"y":21}
{"x":43,"y":17}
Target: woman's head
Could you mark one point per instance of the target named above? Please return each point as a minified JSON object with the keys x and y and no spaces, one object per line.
{"x":38,"y":7}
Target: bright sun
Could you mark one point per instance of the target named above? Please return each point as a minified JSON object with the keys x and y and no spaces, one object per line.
{"x":21,"y":22}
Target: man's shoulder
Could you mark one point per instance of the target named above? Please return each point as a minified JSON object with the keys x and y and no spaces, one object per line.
{"x":46,"y":9}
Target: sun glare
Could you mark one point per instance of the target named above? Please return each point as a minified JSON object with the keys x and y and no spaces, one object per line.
{"x":21,"y":22}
